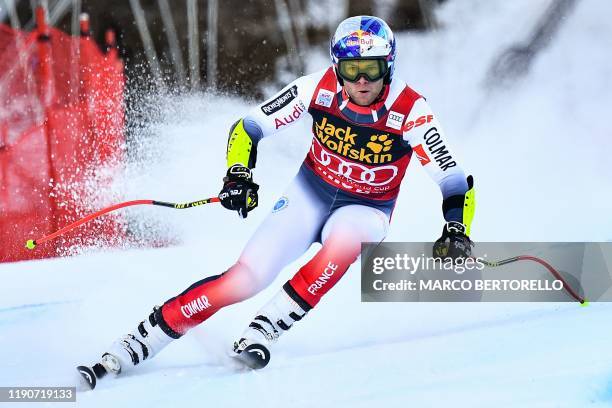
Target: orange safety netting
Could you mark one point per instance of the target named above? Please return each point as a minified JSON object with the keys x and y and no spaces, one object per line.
{"x":61,"y":138}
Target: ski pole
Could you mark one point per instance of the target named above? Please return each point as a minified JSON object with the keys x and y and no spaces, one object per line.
{"x":545,"y":264}
{"x":31,"y":243}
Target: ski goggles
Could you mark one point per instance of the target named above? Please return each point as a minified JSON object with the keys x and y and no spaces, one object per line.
{"x":352,"y":69}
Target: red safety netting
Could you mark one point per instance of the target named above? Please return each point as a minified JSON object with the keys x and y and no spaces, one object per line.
{"x":61,"y":139}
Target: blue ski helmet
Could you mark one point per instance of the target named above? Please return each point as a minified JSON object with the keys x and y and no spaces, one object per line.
{"x":363,"y":37}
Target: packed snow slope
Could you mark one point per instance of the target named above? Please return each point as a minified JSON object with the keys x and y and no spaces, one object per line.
{"x":539,"y":154}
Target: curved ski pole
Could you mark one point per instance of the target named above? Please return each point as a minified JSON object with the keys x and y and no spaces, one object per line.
{"x":31,"y":243}
{"x":545,"y":264}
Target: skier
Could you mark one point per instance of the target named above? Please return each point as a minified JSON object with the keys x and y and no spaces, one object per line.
{"x":367,"y":124}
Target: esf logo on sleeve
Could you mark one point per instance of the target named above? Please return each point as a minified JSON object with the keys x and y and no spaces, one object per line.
{"x":280,"y":101}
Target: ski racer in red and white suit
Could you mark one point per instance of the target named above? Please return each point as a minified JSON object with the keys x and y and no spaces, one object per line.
{"x":343,"y":195}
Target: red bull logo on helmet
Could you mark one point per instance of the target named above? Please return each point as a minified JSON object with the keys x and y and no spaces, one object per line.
{"x":360,"y":38}
{"x":366,"y":44}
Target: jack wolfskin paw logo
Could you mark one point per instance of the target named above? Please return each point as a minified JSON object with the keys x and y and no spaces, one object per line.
{"x":380,"y":143}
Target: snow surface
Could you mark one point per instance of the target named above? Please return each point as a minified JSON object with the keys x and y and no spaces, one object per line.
{"x":539,"y":154}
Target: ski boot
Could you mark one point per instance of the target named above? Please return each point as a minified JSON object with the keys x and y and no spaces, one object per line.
{"x":275,"y":318}
{"x":128,"y":351}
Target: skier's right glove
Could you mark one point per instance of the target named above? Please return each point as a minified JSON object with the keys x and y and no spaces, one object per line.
{"x":239,"y":192}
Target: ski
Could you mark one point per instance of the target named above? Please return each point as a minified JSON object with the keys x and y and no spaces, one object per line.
{"x":91,"y":375}
{"x":255,"y":356}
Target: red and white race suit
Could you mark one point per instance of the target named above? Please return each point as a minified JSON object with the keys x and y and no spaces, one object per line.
{"x":343,"y":195}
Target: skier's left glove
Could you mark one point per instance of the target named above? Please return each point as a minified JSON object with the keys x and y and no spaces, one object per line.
{"x":453,"y":243}
{"x":239,"y":192}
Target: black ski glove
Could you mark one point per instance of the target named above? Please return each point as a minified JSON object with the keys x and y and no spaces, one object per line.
{"x":453,"y":243}
{"x":239,"y":192}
